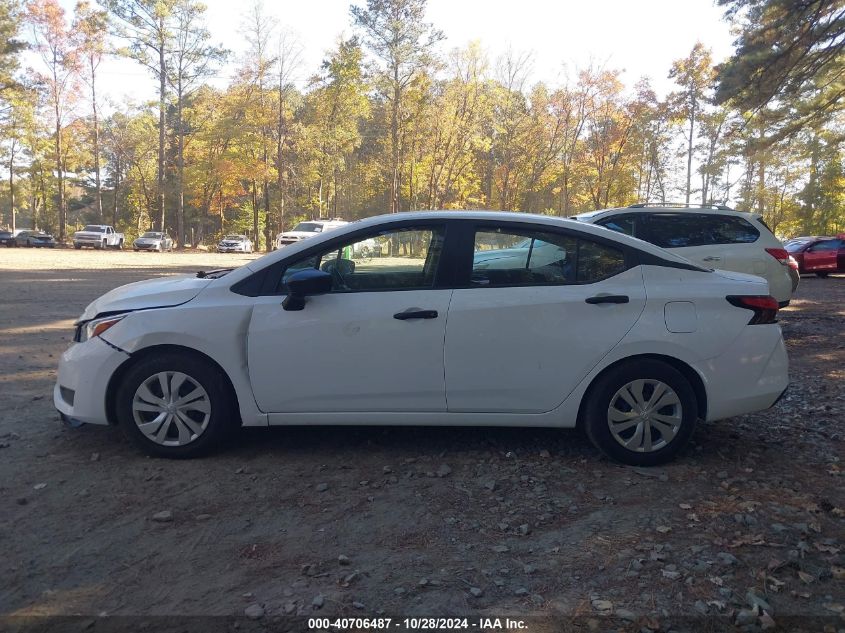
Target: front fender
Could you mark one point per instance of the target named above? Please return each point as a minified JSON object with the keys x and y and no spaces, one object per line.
{"x":219,"y":333}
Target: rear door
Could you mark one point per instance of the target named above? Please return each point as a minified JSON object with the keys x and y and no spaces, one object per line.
{"x":536,"y":309}
{"x":822,"y":256}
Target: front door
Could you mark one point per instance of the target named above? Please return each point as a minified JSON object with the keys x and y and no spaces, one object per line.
{"x":375,"y":343}
{"x":542,"y":310}
{"x":821,"y":256}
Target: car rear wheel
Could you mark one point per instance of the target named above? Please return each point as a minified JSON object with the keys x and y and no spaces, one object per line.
{"x":641,"y":413}
{"x":176,"y":406}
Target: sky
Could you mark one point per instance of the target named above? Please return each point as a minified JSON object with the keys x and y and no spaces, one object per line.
{"x":641,"y":37}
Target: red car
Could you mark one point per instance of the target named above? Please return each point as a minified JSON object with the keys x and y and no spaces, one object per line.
{"x":818,"y":254}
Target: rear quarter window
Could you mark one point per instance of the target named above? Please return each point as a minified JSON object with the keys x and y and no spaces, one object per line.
{"x":679,"y":230}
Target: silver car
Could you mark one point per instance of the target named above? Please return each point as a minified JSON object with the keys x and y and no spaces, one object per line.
{"x":153,"y":241}
{"x":235,"y":244}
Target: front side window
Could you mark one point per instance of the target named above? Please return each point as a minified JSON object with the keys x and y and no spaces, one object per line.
{"x":506,"y":257}
{"x":827,"y":245}
{"x":399,"y":259}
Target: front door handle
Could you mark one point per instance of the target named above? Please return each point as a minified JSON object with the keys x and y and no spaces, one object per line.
{"x":414,"y":313}
{"x":608,"y":299}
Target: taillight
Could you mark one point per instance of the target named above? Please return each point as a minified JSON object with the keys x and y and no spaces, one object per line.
{"x":765,"y":308}
{"x":793,"y":263}
{"x":779,"y":254}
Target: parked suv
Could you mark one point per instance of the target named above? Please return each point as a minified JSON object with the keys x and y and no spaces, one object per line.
{"x":714,"y":237}
{"x":307,"y":229}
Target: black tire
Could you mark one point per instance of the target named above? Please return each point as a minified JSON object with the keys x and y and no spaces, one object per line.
{"x":822,"y":275}
{"x":599,"y":399}
{"x":223,"y":417}
{"x":77,"y":246}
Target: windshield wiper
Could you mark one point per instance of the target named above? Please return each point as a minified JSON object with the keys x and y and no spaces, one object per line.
{"x":213,"y":274}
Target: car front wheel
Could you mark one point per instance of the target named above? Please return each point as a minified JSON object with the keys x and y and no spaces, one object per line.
{"x":641,"y":412}
{"x":175,"y":405}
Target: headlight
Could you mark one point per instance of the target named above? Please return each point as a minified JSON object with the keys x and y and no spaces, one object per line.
{"x":96,"y":327}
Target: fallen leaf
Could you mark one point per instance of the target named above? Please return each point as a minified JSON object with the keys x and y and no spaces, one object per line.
{"x":830,"y":549}
{"x":807,"y":578}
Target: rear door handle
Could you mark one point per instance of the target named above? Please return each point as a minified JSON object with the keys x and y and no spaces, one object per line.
{"x":608,"y":299}
{"x":413,"y":313}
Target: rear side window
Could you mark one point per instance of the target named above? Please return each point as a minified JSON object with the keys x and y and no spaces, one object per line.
{"x":679,"y":230}
{"x":511,"y":257}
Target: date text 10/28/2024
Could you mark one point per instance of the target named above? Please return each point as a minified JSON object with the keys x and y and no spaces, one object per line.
{"x":416,"y":624}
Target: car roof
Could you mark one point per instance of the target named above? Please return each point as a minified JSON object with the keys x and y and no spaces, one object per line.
{"x":712,"y":210}
{"x":490,"y":216}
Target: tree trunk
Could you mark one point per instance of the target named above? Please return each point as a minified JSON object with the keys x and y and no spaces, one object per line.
{"x":255,"y":233}
{"x":162,"y":88}
{"x":61,"y":182}
{"x":12,"y":181}
{"x":116,"y":188}
{"x":394,"y":136}
{"x":99,"y":197}
{"x":689,"y":148}
{"x":180,"y":198}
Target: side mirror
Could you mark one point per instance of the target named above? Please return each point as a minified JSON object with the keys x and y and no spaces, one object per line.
{"x":306,"y":283}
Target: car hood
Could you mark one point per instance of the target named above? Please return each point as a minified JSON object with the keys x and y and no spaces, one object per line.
{"x":148,"y":240}
{"x":301,"y":234}
{"x":152,"y":293}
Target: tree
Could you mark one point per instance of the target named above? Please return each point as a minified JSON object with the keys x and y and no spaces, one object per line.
{"x":89,"y":27}
{"x":10,"y":45}
{"x":191,"y":59}
{"x":147,"y":25}
{"x":288,"y":60}
{"x":335,"y":109}
{"x":14,"y":128}
{"x":59,"y":55}
{"x":259,"y":30}
{"x":788,"y":63}
{"x":397,"y":34}
{"x":694,"y":74}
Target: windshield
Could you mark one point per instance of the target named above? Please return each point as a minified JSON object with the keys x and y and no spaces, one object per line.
{"x":93,"y":228}
{"x":234,"y":237}
{"x":152,"y":235}
{"x":309,"y":227}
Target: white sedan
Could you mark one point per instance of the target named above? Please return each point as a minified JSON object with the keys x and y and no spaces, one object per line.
{"x":234,"y":244}
{"x":461,"y":318}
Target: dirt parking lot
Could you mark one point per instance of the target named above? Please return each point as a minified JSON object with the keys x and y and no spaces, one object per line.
{"x":412,"y":521}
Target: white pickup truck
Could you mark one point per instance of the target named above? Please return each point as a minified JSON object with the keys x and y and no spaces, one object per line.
{"x":98,"y":236}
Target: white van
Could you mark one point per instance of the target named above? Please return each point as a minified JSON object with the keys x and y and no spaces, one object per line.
{"x":304,"y":230}
{"x":711,"y":236}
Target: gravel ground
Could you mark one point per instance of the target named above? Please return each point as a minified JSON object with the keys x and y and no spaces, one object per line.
{"x":748,"y":524}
